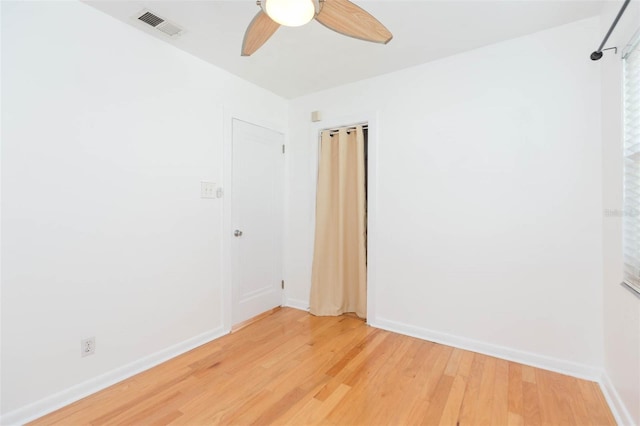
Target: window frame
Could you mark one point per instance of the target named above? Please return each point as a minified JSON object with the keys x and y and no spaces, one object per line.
{"x":631,"y":207}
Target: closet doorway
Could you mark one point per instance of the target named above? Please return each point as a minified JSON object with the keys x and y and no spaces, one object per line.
{"x":339,"y":271}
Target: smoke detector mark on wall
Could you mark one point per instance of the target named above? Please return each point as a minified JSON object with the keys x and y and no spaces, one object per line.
{"x":159,"y":23}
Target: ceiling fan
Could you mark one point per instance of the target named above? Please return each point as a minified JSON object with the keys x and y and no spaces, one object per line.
{"x":341,"y":16}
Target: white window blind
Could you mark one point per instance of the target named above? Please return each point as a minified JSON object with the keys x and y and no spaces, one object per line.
{"x":631,"y":210}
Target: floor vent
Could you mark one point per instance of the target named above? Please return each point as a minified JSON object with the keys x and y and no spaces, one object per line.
{"x":159,"y":23}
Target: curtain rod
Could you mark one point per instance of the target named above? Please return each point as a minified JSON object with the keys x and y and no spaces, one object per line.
{"x":598,"y":53}
{"x":348,"y":128}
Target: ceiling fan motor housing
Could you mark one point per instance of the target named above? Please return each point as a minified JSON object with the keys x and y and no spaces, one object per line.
{"x":316,"y":3}
{"x":265,"y":6}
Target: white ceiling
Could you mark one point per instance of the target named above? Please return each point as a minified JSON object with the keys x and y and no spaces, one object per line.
{"x":297,"y":61}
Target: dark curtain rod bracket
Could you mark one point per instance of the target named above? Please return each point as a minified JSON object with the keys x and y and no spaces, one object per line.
{"x":598,"y":53}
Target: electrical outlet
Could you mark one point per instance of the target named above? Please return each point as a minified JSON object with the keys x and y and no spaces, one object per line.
{"x":87,"y":346}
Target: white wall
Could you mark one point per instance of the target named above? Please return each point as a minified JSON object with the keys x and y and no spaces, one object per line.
{"x":106,"y":136}
{"x":489,"y":198}
{"x":621,"y":307}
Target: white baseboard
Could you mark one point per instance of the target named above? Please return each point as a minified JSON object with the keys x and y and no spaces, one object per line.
{"x":303,"y":305}
{"x":581,"y":371}
{"x":53,"y":402}
{"x":618,"y":408}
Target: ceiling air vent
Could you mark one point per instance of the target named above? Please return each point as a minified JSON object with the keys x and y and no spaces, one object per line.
{"x":159,"y":23}
{"x":151,"y":19}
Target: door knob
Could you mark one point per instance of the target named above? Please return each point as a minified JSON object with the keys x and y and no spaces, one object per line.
{"x":237,"y":233}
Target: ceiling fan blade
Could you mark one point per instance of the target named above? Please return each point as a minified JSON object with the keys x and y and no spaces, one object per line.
{"x":351,"y":20}
{"x":259,"y":31}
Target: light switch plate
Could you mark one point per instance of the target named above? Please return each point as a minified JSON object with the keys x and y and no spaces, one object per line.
{"x":207,"y":190}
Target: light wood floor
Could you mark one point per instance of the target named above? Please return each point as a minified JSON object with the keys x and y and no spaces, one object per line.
{"x":293,"y":368}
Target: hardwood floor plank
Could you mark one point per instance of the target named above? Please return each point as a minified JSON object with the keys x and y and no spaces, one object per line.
{"x":370,"y":362}
{"x":77,"y":412}
{"x":292,"y":368}
{"x":531,"y":407}
{"x":553,"y":399}
{"x":548,"y":406}
{"x":529,"y":374}
{"x":349,"y":356}
{"x":315,"y":411}
{"x":257,"y":318}
{"x":577,"y":403}
{"x":464,"y":369}
{"x":470,"y":401}
{"x":454,"y":362}
{"x":388,"y":386}
{"x":360,"y":380}
{"x":500,"y":411}
{"x":515,"y":396}
{"x":594,"y":401}
{"x":164,"y":420}
{"x":451,"y":411}
{"x":151,"y":411}
{"x":327,"y":390}
{"x":271,"y":414}
{"x":438,"y":402}
{"x":485,"y":397}
{"x":561,"y":389}
{"x":428,"y":378}
{"x":248,"y":411}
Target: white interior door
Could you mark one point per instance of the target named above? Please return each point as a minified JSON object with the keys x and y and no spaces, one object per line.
{"x":257,"y":219}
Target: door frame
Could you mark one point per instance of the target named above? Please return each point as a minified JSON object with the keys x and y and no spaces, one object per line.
{"x":331,"y":122}
{"x":227,"y":219}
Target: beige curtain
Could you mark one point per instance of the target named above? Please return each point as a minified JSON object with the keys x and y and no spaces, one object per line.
{"x":339,"y":276}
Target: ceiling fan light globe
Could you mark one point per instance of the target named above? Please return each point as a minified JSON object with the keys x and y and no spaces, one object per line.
{"x":290,"y":13}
